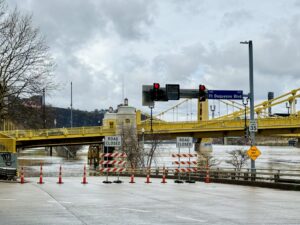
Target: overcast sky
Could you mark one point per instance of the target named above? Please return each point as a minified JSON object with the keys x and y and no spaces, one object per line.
{"x":97,"y":44}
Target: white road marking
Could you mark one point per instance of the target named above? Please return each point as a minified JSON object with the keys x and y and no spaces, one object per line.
{"x":7,"y":199}
{"x":136,"y":210}
{"x":65,"y":202}
{"x":53,"y":201}
{"x":187,"y":218}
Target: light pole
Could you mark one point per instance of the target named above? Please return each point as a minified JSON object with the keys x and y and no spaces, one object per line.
{"x":251,"y":97}
{"x":71,"y":116}
{"x":151,"y":119}
{"x":212,"y":109}
{"x":288,"y":106}
{"x":245,"y":103}
{"x":143,"y":140}
{"x":44,"y":108}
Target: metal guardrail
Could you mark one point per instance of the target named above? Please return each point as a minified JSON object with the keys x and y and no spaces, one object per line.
{"x":265,"y":175}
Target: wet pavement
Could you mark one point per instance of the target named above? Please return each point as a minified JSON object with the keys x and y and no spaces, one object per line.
{"x":140,"y":203}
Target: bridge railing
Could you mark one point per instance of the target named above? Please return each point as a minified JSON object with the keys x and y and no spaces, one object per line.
{"x":58,"y":132}
{"x":238,"y":123}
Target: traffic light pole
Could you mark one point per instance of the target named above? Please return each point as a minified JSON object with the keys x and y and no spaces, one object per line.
{"x":251,"y":97}
{"x":151,"y":119}
{"x":251,"y":82}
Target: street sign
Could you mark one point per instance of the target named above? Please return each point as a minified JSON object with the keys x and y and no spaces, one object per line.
{"x":112,"y":141}
{"x":225,"y":94}
{"x":253,"y":126}
{"x":253,"y":152}
{"x":184,"y":142}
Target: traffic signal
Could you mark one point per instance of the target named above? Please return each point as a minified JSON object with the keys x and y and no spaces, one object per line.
{"x":202,"y":93}
{"x":155,"y":91}
{"x":173,"y":91}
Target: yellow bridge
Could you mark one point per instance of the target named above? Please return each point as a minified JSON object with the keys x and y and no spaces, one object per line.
{"x":229,"y":125}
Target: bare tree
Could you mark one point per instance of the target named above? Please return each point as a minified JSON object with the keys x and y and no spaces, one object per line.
{"x":238,"y":158}
{"x":25,"y":62}
{"x":131,"y":146}
{"x":150,"y":154}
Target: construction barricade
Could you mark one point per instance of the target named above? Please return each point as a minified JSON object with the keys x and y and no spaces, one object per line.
{"x":117,"y":165}
{"x":189,"y":166}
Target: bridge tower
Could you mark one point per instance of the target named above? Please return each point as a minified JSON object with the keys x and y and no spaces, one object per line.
{"x":202,"y":115}
{"x":124,"y":121}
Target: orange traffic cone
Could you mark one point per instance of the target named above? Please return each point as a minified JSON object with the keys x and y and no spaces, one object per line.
{"x":207,"y":174}
{"x":22,"y":176}
{"x":60,"y":176}
{"x":132,"y":179}
{"x":84,"y":175}
{"x":164,"y":177}
{"x":41,"y":175}
{"x":148,"y":179}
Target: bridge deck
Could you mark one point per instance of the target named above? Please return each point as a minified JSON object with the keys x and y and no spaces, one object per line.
{"x":211,"y":128}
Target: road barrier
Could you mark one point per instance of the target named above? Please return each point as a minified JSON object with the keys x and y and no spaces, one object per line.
{"x":84,"y":175}
{"x":119,"y":161}
{"x":41,"y":175}
{"x":148,"y":178}
{"x":286,"y":179}
{"x":164,"y":176}
{"x":22,"y":181}
{"x":60,"y":176}
{"x":188,"y":163}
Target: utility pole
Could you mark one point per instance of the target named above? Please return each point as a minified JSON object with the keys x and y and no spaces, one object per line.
{"x":71,"y":117}
{"x":44,"y":109}
{"x":251,"y":97}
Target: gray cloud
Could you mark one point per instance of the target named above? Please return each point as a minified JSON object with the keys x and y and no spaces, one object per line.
{"x":236,"y":18}
{"x":96,"y":43}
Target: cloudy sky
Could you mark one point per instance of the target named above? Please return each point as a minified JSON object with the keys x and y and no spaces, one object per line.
{"x":100,"y":44}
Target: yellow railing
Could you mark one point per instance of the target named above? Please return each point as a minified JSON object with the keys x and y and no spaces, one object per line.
{"x":60,"y":132}
{"x":220,"y":125}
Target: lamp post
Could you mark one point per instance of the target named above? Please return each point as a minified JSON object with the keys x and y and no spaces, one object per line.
{"x":251,"y":97}
{"x":212,"y":109}
{"x":245,"y":103}
{"x":143,"y":139}
{"x":288,"y":106}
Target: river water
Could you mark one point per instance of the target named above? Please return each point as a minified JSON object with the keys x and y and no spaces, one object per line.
{"x":272,"y":158}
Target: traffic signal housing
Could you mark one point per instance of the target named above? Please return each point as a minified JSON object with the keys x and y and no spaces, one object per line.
{"x":158,"y":93}
{"x":202,"y":93}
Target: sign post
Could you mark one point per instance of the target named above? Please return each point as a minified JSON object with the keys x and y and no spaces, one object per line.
{"x":185,"y":142}
{"x":111,"y":141}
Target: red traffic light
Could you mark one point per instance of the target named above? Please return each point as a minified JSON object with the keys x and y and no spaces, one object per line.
{"x":202,"y":87}
{"x":156,"y":85}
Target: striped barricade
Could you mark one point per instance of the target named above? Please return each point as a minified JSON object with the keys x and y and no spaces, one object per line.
{"x":185,"y":162}
{"x":114,"y":155}
{"x":117,"y":164}
{"x":112,"y":162}
{"x":112,"y":170}
{"x":184,"y":155}
{"x":189,"y":166}
{"x":186,"y":170}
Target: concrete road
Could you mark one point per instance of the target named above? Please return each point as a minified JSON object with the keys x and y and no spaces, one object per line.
{"x":140,"y":203}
